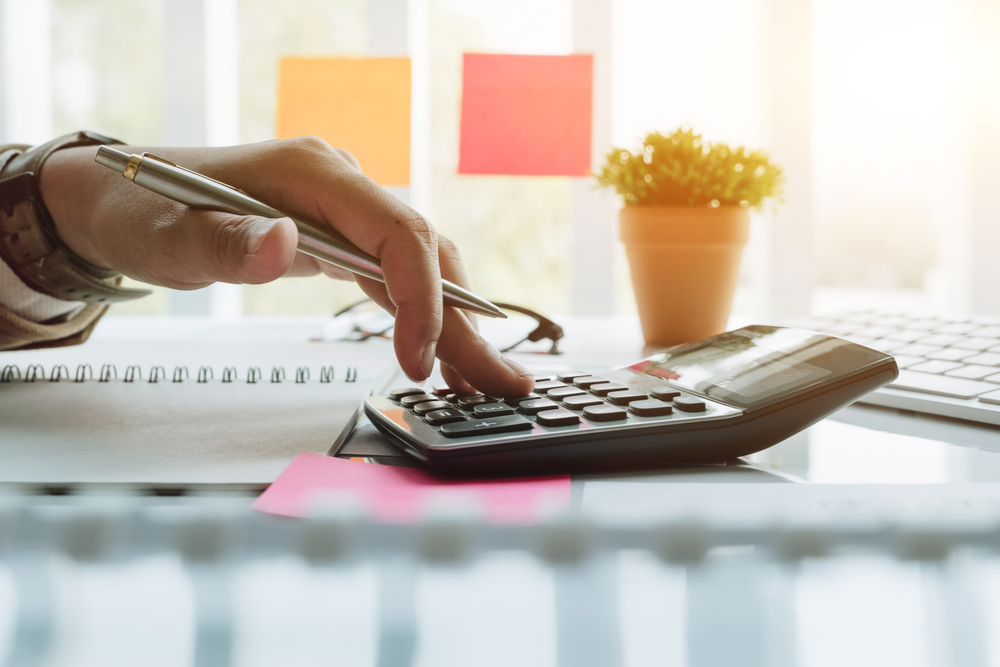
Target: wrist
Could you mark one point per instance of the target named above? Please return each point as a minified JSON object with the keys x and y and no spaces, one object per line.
{"x":71,"y":184}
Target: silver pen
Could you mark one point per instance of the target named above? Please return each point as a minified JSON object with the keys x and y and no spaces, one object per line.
{"x":319,"y":241}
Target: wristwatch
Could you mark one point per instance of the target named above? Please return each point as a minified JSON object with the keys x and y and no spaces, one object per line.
{"x":29,"y":243}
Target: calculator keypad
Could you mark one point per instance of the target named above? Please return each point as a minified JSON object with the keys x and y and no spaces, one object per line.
{"x":573,"y":401}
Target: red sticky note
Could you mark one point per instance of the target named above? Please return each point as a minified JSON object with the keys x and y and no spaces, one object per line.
{"x":526,"y":115}
{"x":401,"y":495}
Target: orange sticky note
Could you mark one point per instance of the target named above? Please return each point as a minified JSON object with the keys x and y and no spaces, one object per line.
{"x":526,"y":115}
{"x":358,"y":104}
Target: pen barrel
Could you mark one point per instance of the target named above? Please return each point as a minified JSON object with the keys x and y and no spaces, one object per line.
{"x":320,"y":241}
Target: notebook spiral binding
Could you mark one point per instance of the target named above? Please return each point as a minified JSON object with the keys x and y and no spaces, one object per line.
{"x":133,"y":373}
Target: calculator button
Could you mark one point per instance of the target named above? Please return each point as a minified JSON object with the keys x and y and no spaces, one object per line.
{"x":570,"y":376}
{"x":515,"y":401}
{"x":414,"y":399}
{"x":492,"y":409}
{"x":442,"y":390}
{"x":606,"y":388}
{"x":543,"y":387}
{"x":534,"y":406}
{"x":469,"y":402}
{"x":651,"y":407}
{"x":688,"y":404}
{"x":489,"y":426}
{"x":397,"y":394}
{"x":439,"y":417}
{"x":557,"y":418}
{"x":664,"y":393}
{"x":544,"y":378}
{"x":588,"y":381}
{"x":560,"y":393}
{"x":604,"y":413}
{"x":422,"y":409}
{"x":625,"y":397}
{"x":580,"y":402}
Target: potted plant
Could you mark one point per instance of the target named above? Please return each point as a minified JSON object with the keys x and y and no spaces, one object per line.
{"x":685,"y":220}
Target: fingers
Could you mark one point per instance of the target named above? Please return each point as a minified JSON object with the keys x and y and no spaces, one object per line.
{"x":202,"y":247}
{"x":464,"y":354}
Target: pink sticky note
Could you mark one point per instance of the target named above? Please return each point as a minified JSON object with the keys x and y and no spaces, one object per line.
{"x":526,"y":115}
{"x":400,"y":495}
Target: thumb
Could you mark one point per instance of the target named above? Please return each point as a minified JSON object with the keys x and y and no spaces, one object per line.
{"x":239,"y":249}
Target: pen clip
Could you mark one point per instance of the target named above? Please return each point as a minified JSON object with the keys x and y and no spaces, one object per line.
{"x":136,"y":160}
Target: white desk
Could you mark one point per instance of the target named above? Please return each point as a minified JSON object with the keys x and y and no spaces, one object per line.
{"x":862,"y":610}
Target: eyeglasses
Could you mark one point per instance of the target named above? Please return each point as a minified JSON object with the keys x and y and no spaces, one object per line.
{"x":364,"y":319}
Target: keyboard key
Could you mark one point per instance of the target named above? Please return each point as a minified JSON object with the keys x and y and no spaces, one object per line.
{"x":650,"y":408}
{"x":689,"y":404}
{"x":940,"y":385}
{"x":470,"y":402}
{"x":422,"y":409}
{"x":972,"y":372}
{"x":492,"y":410}
{"x":414,"y":399}
{"x":570,"y":376}
{"x":917,"y":350}
{"x":935,"y":366}
{"x":560,"y":393}
{"x":604,"y":413}
{"x":903,"y":361}
{"x":587,"y":381}
{"x":985,"y":359}
{"x":581,"y":402}
{"x":606,"y":388}
{"x":533,"y":407}
{"x":993,"y":398}
{"x":907,"y":336}
{"x":951,"y":354}
{"x":959,"y":328}
{"x":665,"y":393}
{"x":995,"y":379}
{"x":397,"y":394}
{"x":873,"y":332}
{"x":941,"y":339}
{"x":439,"y":417}
{"x":625,"y":397}
{"x":490,"y":426}
{"x":888,"y":346}
{"x":989,"y":332}
{"x":544,"y":387}
{"x":516,"y":400}
{"x":978,"y":344}
{"x":442,"y":390}
{"x":557,"y":418}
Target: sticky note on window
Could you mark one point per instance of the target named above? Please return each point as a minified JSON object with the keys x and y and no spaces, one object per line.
{"x":526,"y":115}
{"x":359,"y":104}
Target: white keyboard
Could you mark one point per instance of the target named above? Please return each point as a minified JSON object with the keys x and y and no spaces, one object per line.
{"x":949,"y":366}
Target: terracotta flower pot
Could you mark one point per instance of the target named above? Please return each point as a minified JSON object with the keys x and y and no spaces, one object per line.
{"x":685,"y":264}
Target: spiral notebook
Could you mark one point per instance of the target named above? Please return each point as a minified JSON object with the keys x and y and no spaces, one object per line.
{"x":175,"y":424}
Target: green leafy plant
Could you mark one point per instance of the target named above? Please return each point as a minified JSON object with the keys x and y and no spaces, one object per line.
{"x":682,"y":169}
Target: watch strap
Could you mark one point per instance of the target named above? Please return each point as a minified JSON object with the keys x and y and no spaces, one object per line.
{"x":29,"y":243}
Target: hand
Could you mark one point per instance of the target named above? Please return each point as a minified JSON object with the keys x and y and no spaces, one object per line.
{"x":113,"y":223}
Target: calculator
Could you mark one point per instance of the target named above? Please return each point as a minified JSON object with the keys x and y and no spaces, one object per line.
{"x":707,"y":402}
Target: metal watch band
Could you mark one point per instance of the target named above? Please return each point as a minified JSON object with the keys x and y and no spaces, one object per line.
{"x":29,"y":243}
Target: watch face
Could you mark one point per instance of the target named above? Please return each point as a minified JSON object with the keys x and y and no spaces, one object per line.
{"x":756,"y":366}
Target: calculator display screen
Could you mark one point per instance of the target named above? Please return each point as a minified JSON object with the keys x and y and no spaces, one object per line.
{"x":757,"y":365}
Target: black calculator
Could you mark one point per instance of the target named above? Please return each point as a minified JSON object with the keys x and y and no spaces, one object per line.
{"x":707,"y":402}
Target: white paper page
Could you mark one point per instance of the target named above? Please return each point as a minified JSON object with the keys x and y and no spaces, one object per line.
{"x":171,"y":433}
